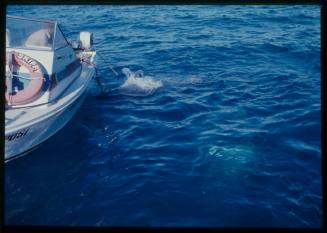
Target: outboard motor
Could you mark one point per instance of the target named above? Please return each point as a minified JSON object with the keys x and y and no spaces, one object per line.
{"x":76,"y":44}
{"x":86,"y":39}
{"x":84,"y":42}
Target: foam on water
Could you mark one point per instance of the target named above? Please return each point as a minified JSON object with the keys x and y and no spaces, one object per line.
{"x":137,"y":84}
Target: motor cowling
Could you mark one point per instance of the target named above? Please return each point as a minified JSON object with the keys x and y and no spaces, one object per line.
{"x":86,"y":40}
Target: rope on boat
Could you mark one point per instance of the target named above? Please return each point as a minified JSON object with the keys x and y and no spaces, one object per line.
{"x":103,"y":88}
{"x":112,"y":69}
{"x":98,"y":81}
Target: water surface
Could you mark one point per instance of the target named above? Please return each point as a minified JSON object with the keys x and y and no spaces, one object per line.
{"x":215,"y":122}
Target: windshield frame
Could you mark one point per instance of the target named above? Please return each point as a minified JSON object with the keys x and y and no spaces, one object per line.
{"x":55,"y":24}
{"x":55,"y":31}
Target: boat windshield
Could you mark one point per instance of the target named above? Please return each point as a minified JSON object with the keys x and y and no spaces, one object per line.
{"x":30,"y":34}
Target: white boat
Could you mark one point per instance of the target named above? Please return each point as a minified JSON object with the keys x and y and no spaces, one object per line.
{"x":47,"y":77}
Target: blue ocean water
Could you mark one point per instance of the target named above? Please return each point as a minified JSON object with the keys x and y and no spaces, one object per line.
{"x":214,"y":122}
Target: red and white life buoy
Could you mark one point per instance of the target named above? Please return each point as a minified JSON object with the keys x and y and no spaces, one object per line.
{"x":35,"y":85}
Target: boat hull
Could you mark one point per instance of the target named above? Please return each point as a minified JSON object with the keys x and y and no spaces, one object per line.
{"x":20,"y":142}
{"x":27,"y":128}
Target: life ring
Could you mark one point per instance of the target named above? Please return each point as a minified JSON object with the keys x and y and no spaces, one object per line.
{"x":37,"y":79}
